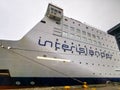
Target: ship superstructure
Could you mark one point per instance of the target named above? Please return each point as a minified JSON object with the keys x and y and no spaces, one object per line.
{"x":60,"y":51}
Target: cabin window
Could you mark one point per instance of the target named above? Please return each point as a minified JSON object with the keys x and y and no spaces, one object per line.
{"x":72,"y":28}
{"x":71,"y":35}
{"x":78,"y":31}
{"x":65,"y":26}
{"x":78,"y":37}
{"x":83,"y":33}
{"x":95,"y":42}
{"x":93,"y":35}
{"x":89,"y":40}
{"x":98,"y":37}
{"x":84,"y":39}
{"x":99,"y":42}
{"x":52,"y":10}
{"x":59,"y":12}
{"x":64,"y":34}
{"x":89,"y":34}
{"x":58,"y":33}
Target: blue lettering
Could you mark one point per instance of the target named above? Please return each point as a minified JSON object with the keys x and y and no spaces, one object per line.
{"x":57,"y":45}
{"x":97,"y":53}
{"x":81,"y":50}
{"x":91,"y":52}
{"x":102,"y":54}
{"x":86,"y":51}
{"x":65,"y":47}
{"x":108,"y":56}
{"x":45,"y":43}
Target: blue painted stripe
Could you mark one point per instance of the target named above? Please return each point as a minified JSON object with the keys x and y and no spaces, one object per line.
{"x":53,"y":81}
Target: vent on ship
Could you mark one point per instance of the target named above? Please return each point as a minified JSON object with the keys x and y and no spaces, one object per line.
{"x":4,"y":73}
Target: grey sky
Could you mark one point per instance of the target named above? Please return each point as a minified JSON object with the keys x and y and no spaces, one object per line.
{"x":17,"y":17}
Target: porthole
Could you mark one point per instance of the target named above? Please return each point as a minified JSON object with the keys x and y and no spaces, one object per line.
{"x":18,"y":83}
{"x":86,"y":27}
{"x":66,"y":20}
{"x":43,"y":21}
{"x":44,"y":55}
{"x":64,"y":41}
{"x":32,"y":83}
{"x":72,"y":43}
{"x":56,"y":39}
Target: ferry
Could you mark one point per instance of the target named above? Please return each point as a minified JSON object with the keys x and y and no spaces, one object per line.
{"x":59,"y":51}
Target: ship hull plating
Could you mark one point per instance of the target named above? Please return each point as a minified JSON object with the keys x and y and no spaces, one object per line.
{"x":51,"y":81}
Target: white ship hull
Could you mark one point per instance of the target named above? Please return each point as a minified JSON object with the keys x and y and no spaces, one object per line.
{"x":47,"y":56}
